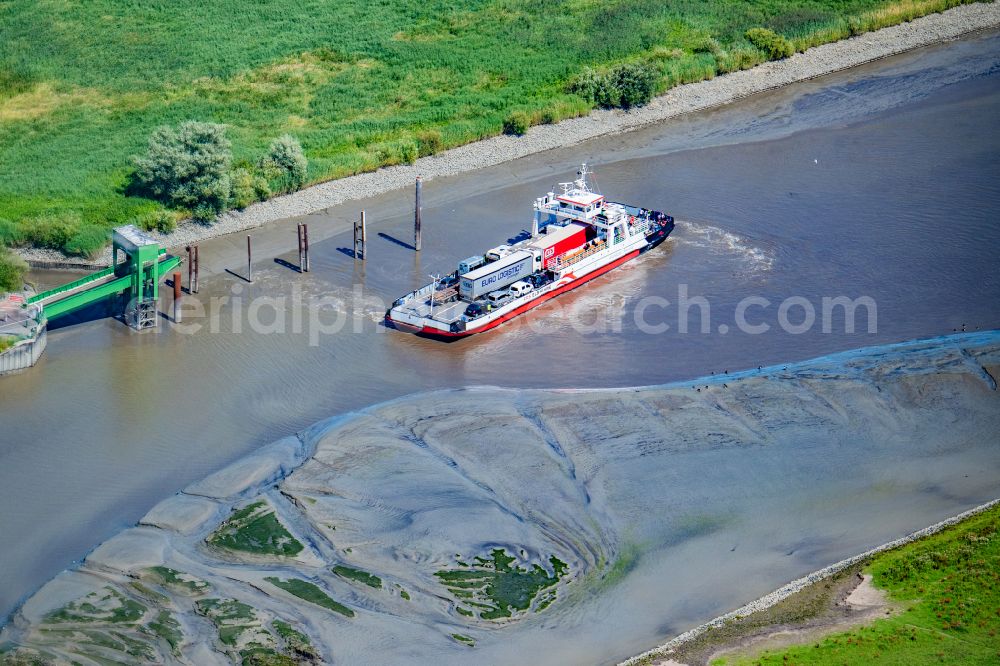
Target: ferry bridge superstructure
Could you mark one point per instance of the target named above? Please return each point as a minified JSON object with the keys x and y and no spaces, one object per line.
{"x":138,"y":265}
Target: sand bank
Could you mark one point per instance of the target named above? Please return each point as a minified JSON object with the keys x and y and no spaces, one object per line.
{"x":678,"y":101}
{"x":614,"y":517}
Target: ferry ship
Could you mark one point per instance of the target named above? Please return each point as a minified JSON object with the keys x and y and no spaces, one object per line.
{"x":576,"y":236}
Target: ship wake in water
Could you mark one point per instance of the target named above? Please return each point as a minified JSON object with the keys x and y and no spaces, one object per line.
{"x":756,"y":259}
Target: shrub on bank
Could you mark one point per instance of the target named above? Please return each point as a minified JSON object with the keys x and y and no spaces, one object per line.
{"x":287,"y":163}
{"x":391,"y":153}
{"x":429,"y":143}
{"x":516,"y":124}
{"x":408,"y":152}
{"x":738,"y":59}
{"x":623,"y":86}
{"x":159,"y":220}
{"x":249,"y":186}
{"x":186,"y":167}
{"x":190,"y":168}
{"x":204,"y":214}
{"x":635,"y":82}
{"x":774,"y":46}
{"x":561,"y":109}
{"x":12,"y":270}
{"x":595,"y":87}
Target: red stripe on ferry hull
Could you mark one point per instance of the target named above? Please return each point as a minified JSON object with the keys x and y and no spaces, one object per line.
{"x":430,"y":332}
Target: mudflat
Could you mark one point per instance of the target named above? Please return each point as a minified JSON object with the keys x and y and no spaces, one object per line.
{"x":496,"y":524}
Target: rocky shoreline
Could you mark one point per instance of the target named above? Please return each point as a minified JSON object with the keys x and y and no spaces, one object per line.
{"x":689,"y":98}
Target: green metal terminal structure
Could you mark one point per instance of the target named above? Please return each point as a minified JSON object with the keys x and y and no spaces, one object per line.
{"x":136,"y":274}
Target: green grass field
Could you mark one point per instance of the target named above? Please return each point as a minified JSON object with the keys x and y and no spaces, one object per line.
{"x":949,"y":587}
{"x":360,"y":83}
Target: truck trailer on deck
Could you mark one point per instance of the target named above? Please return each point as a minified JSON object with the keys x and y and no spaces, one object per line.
{"x":496,"y":274}
{"x":558,"y":240}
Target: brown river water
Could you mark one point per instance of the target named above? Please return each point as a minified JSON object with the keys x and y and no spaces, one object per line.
{"x":882,"y":182}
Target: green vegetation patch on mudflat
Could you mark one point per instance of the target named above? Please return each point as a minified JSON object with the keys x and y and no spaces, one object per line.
{"x":948,"y":585}
{"x":104,"y":626}
{"x":83,"y":85}
{"x":177,"y":581}
{"x":466,"y":640}
{"x":502,"y":588}
{"x":106,"y":606}
{"x":103,"y":645}
{"x":86,"y":639}
{"x":309,"y":592}
{"x":359,"y":575}
{"x":258,"y":656}
{"x":255,"y":529}
{"x":149,"y":594}
{"x":168,"y":628}
{"x":242,"y":631}
{"x":231,"y":617}
{"x":135,"y":647}
{"x":296,"y":643}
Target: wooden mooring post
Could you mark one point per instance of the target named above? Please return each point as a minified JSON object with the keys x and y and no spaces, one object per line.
{"x":305,"y":243}
{"x":177,"y":294}
{"x":249,"y":261}
{"x":303,"y":233}
{"x":416,"y":218}
{"x":190,"y":252}
{"x":361,"y":238}
{"x":302,"y":250}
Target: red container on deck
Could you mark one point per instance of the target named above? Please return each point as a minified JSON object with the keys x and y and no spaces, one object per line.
{"x":560,"y":240}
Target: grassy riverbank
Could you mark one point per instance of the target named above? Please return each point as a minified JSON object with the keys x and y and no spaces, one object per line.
{"x":944,"y":589}
{"x":361,"y":85}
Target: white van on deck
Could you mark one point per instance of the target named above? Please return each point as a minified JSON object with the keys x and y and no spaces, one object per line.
{"x":497,"y":298}
{"x":520,"y":288}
